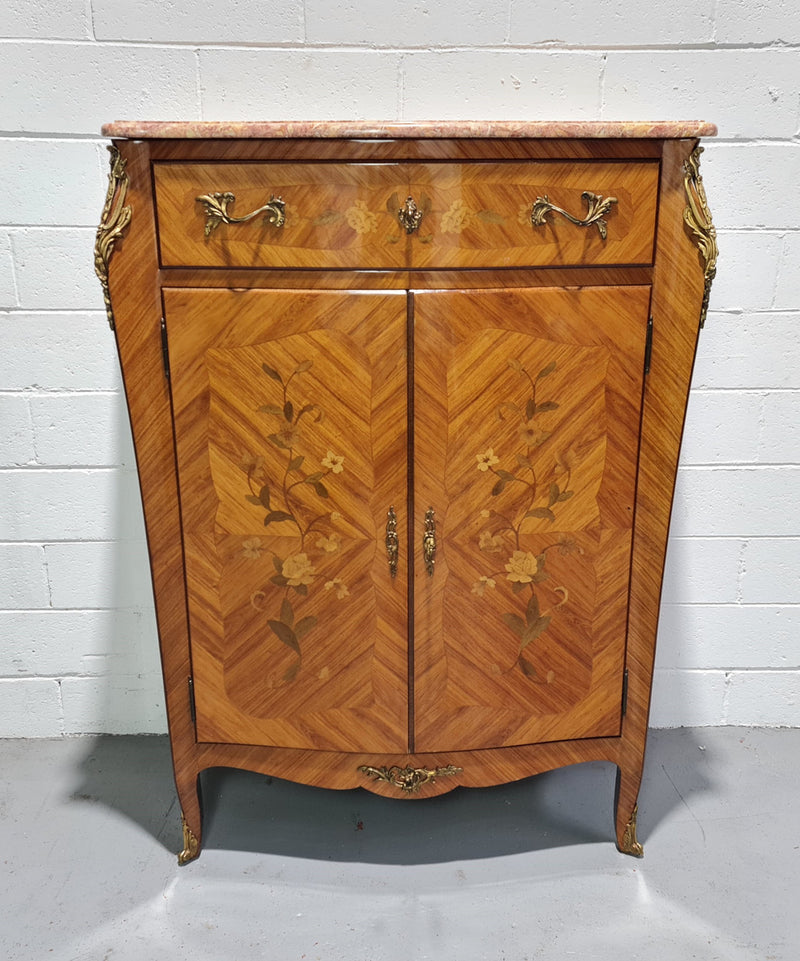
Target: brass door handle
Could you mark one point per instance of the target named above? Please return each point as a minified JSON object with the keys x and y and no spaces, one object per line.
{"x":217,"y":204}
{"x":596,"y":206}
{"x":392,"y":544}
{"x":429,"y":542}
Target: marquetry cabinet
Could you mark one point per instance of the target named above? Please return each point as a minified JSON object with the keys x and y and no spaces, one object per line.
{"x":407,"y":403}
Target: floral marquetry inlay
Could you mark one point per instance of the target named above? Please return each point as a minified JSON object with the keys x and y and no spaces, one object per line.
{"x":543,"y":485}
{"x":360,"y":218}
{"x":296,"y":571}
{"x":459,"y":216}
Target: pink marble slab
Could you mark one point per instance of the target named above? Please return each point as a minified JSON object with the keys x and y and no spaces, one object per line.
{"x":581,"y":129}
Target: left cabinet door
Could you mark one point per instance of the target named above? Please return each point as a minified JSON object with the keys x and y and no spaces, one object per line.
{"x":290,"y":413}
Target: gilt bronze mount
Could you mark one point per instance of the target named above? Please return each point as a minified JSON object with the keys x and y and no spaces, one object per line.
{"x":408,"y":779}
{"x":216,"y":206}
{"x":597,"y":208}
{"x":115,"y":218}
{"x":698,"y":219}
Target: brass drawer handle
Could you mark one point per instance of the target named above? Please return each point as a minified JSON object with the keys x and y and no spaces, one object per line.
{"x":597,"y":208}
{"x":392,"y":545}
{"x":429,"y":541}
{"x":216,"y":206}
{"x":409,"y":216}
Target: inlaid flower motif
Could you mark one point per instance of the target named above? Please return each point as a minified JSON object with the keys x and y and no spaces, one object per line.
{"x":360,"y":219}
{"x":565,"y":463}
{"x":257,"y":599}
{"x":524,"y":214}
{"x":251,"y":548}
{"x":456,"y":217}
{"x":288,"y":438}
{"x":522,"y":567}
{"x":489,"y":543}
{"x":285,"y":500}
{"x":339,"y":586}
{"x":334,"y":463}
{"x":487,"y":459}
{"x":538,"y":480}
{"x":567,"y":546}
{"x":250,"y":463}
{"x":298,"y":569}
{"x":531,"y":436}
{"x":330,"y":544}
{"x":480,"y":586}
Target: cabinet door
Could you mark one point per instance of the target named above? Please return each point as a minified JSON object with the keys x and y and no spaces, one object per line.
{"x":527,"y":411}
{"x":290,"y":422}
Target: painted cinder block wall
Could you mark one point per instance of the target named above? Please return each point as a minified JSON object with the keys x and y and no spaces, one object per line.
{"x":78,"y":650}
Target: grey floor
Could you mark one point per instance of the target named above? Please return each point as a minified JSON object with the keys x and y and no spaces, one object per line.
{"x":89,"y":827}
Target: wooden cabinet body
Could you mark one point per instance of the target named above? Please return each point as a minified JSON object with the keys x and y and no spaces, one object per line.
{"x":406,"y":483}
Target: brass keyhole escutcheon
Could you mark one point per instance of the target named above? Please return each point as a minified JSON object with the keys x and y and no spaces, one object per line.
{"x":410,"y":216}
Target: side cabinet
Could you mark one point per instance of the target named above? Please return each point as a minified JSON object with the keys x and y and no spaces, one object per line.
{"x":407,"y":407}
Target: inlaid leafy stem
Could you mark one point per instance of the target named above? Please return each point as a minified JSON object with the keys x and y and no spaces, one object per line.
{"x":295,"y":572}
{"x":542,"y":483}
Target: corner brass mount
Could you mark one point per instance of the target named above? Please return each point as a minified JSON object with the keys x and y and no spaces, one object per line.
{"x":697,"y":217}
{"x":115,"y":218}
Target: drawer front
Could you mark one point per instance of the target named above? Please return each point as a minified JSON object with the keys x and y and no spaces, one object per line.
{"x":336,"y":215}
{"x":474,"y":215}
{"x":479,"y":215}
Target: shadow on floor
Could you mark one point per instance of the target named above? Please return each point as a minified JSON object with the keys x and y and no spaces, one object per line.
{"x":250,"y":812}
{"x":132,"y":774}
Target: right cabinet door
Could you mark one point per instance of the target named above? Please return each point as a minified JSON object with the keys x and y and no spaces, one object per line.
{"x":527,"y":408}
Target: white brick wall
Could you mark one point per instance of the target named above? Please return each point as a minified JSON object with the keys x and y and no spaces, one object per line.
{"x":77,"y":637}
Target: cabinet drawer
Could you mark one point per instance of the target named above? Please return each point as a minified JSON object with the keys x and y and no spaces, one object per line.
{"x":474,"y":215}
{"x":336,"y":215}
{"x":479,"y":215}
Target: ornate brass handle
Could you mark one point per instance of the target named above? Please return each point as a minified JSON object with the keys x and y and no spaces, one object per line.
{"x":392,"y":545}
{"x":410,"y":216}
{"x":597,"y":208}
{"x":216,"y":206}
{"x":429,"y":542}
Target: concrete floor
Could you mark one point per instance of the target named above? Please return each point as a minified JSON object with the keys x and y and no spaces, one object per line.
{"x":89,"y":827}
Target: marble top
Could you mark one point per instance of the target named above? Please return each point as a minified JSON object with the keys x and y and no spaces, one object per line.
{"x":517,"y":129}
